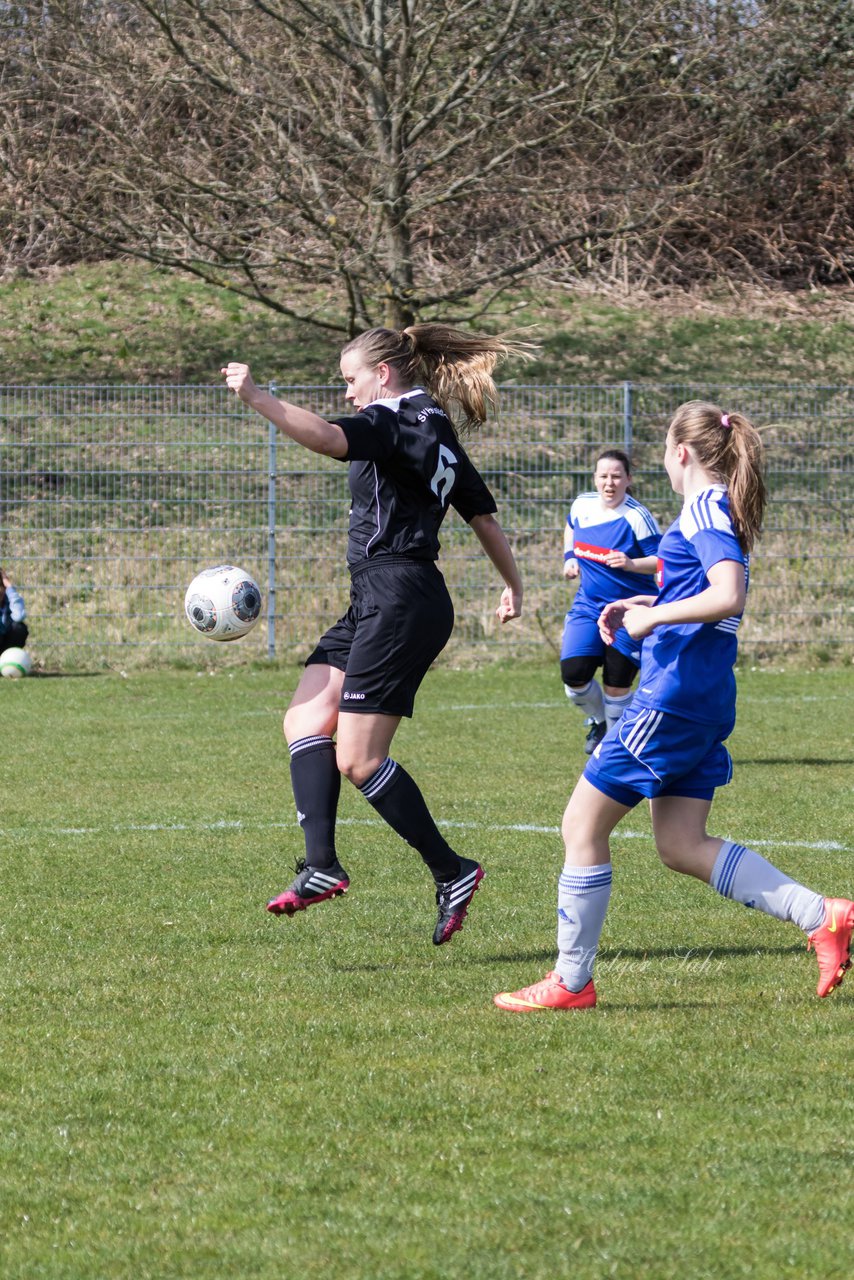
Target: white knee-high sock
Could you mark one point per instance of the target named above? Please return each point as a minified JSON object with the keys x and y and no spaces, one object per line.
{"x":582,"y":901}
{"x":614,"y":707}
{"x":745,"y":876}
{"x":589,"y":700}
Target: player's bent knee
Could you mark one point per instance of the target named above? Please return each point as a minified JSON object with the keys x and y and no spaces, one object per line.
{"x":302,"y":719}
{"x":578,"y":672}
{"x":675,"y":856}
{"x":356,"y":769}
{"x":669,"y":855}
{"x":293,"y":724}
{"x":350,"y":770}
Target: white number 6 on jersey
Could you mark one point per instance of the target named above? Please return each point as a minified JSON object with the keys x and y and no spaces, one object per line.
{"x":443,"y":481}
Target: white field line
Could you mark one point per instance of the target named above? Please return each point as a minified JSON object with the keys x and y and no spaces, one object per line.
{"x":561,"y":703}
{"x":239,"y":824}
{"x":554,"y":704}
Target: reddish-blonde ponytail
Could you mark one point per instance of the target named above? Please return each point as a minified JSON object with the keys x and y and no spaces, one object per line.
{"x":455,"y":367}
{"x":729,"y":446}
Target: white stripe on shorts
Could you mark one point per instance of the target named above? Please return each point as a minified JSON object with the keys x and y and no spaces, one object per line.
{"x":643,"y":729}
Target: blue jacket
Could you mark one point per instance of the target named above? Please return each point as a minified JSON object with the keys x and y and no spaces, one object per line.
{"x":11,"y":610}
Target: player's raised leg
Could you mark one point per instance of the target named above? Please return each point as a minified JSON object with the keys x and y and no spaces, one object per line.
{"x":364,"y":741}
{"x":740,"y":873}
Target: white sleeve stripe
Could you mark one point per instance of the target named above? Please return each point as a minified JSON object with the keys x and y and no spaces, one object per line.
{"x":704,"y":513}
{"x":646,"y":516}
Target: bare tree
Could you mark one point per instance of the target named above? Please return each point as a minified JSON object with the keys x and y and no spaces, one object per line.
{"x":387,"y":156}
{"x":364,"y":161}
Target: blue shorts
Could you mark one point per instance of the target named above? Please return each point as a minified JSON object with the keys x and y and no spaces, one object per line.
{"x":651,"y":753}
{"x":581,"y":639}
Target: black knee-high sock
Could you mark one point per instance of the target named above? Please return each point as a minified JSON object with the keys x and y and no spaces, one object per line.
{"x":397,"y":799}
{"x":317,"y":786}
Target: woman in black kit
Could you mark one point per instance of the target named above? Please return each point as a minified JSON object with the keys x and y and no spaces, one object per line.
{"x":406,"y":467}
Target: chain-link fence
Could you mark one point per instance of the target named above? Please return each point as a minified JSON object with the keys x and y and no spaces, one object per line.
{"x":113,"y":497}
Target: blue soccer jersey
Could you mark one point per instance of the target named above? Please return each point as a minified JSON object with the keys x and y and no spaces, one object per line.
{"x":687,"y":668}
{"x":592,"y":531}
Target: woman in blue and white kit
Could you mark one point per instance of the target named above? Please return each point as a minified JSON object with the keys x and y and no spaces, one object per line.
{"x":669,"y":746}
{"x":610,"y":543}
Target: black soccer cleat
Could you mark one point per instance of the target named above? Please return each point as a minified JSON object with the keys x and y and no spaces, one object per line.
{"x":596,"y":732}
{"x":313,"y":884}
{"x":453,"y":898}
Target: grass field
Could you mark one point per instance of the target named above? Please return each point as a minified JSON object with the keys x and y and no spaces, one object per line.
{"x":126,"y":322}
{"x":193,"y":1089}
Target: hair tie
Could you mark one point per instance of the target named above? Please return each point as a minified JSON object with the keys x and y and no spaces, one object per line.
{"x":725,"y":422}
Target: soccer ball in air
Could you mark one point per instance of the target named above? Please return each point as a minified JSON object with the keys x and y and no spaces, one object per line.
{"x":15,"y":663}
{"x":223,"y":603}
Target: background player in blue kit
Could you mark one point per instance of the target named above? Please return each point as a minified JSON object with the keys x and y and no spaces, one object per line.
{"x":407,"y":467}
{"x":610,"y":542}
{"x":669,"y":747}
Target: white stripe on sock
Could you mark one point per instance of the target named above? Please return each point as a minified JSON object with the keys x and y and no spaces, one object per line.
{"x":305,"y":744}
{"x":378,"y":780}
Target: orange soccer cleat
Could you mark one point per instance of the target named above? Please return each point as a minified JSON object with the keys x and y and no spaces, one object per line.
{"x":549,"y":993}
{"x":832,"y":943}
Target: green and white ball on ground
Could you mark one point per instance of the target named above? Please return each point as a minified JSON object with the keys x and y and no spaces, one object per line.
{"x":15,"y":663}
{"x":223,"y":603}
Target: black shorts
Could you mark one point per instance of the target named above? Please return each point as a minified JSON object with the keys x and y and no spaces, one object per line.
{"x":400,"y":618}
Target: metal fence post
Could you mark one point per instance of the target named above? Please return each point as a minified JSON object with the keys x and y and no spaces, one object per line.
{"x":627,"y":418}
{"x":272,"y":445}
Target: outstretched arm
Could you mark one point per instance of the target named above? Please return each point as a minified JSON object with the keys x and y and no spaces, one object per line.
{"x":300,"y":425}
{"x":492,"y":538}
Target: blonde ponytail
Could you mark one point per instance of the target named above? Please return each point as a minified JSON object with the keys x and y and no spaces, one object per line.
{"x":455,"y":367}
{"x":729,"y":446}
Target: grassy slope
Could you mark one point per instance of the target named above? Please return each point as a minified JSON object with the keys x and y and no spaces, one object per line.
{"x":126,"y":323}
{"x":193,"y":1089}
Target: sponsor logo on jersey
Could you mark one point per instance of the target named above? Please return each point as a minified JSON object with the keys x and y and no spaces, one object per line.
{"x":586,"y":551}
{"x":659,"y":573}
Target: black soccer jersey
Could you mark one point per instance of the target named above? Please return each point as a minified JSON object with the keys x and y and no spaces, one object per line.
{"x":406,"y":467}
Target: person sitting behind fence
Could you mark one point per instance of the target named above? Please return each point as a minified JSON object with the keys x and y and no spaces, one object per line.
{"x":13,"y":629}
